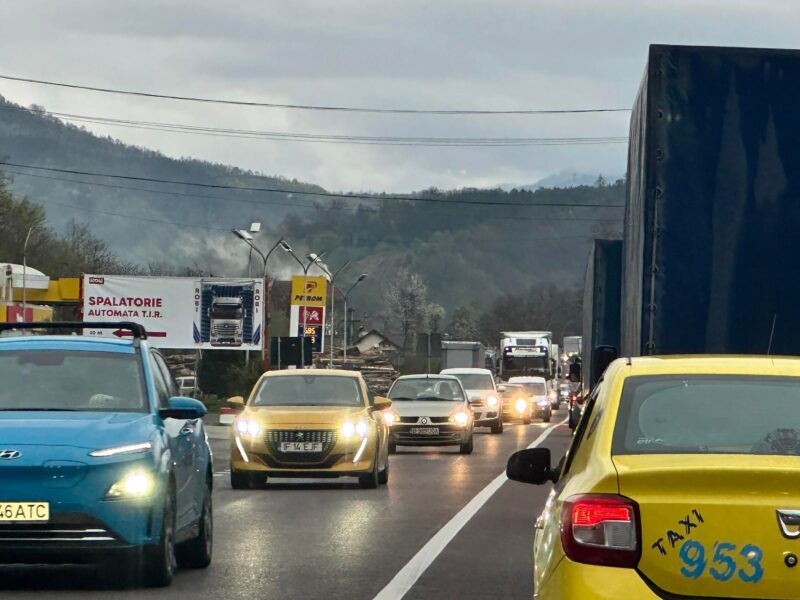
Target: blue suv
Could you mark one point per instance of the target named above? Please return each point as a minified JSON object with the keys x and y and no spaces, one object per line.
{"x":100,"y":460}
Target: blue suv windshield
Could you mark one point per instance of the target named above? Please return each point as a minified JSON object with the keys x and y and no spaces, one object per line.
{"x":45,"y":380}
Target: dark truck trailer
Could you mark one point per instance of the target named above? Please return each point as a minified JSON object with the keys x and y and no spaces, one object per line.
{"x":713,"y":207}
{"x":602,"y":297}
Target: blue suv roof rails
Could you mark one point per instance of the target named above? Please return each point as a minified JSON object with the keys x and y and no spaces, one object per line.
{"x":138,"y":331}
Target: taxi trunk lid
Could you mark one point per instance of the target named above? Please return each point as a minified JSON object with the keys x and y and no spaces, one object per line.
{"x":710,"y":523}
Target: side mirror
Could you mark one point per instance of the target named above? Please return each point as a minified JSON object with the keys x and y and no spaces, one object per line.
{"x":601,"y":358}
{"x":381,"y":403}
{"x":183,"y":408}
{"x":575,"y":372}
{"x":531,"y":466}
{"x":235,"y":400}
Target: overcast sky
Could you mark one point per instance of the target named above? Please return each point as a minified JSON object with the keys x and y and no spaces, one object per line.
{"x":431,"y":54}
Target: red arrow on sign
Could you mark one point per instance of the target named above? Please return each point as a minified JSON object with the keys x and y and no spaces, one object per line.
{"x":127,"y":333}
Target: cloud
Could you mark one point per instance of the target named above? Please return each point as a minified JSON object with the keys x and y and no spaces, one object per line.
{"x":446,"y":54}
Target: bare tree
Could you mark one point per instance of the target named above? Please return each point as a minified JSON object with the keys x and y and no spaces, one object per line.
{"x":407,"y":300}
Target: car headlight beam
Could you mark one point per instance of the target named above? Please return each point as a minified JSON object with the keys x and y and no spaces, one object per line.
{"x":248,"y":427}
{"x":136,"y":484}
{"x":359,"y":429}
{"x":521,"y":405}
{"x":491,"y":401}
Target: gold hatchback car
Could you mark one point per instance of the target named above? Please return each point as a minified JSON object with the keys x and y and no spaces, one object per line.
{"x":310,"y":424}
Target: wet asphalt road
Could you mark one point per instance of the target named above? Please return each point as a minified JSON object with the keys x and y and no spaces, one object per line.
{"x":330,"y":539}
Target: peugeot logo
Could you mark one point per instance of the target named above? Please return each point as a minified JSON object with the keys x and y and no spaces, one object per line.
{"x":9,"y":454}
{"x":299,"y":436}
{"x":424,"y":420}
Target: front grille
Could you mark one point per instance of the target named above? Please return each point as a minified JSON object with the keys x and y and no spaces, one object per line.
{"x":225,"y":329}
{"x":274,"y":438}
{"x":53,"y":533}
{"x":415,"y":420}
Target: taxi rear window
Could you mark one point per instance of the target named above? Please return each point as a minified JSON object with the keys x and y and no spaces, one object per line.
{"x":708,"y":414}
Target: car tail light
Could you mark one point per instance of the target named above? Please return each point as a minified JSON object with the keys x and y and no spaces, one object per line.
{"x":601,"y":529}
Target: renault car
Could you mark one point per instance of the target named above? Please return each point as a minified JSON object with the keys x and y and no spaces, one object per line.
{"x":310,"y":424}
{"x":100,"y":461}
{"x":429,"y":410}
{"x":680,"y":482}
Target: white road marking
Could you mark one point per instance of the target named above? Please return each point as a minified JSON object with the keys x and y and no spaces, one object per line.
{"x":408,"y":575}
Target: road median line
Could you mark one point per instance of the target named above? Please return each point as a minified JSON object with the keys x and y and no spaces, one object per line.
{"x":416,"y":567}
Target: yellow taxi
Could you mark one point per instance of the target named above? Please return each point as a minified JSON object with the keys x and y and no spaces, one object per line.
{"x":310,"y":423}
{"x":682,"y":481}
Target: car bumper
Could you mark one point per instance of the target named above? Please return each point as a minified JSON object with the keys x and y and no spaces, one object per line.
{"x":484,"y":418}
{"x":343,"y":458}
{"x":449,"y":435}
{"x":574,"y":581}
{"x":76,"y":537}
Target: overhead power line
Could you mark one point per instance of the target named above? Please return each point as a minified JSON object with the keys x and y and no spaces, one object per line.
{"x":268,"y":202}
{"x":352,"y":109}
{"x":373,"y":197}
{"x":329,"y":138}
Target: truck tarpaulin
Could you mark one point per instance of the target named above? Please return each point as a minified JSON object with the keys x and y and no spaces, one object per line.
{"x":601,"y":302}
{"x":713,"y":205}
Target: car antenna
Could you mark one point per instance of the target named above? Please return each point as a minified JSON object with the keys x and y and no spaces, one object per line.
{"x":772,"y":334}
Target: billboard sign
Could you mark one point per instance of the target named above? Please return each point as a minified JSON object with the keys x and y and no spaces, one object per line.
{"x":315,"y":294}
{"x":179,"y":312}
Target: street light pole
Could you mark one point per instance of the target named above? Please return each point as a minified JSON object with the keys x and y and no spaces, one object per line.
{"x":25,"y":270}
{"x":248,"y":239}
{"x":361,"y":278}
{"x":305,"y":268}
{"x":332,"y":279}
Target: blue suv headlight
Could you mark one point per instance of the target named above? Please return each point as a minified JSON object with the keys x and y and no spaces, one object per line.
{"x":136,"y":484}
{"x":127,"y":449}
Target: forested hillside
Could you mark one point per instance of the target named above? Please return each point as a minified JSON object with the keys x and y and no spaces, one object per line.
{"x":486,"y":258}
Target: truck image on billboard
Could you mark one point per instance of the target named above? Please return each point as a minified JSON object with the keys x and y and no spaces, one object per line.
{"x":226,"y":314}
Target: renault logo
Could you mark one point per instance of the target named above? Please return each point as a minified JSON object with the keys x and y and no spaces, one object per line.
{"x":789,"y":522}
{"x":9,"y":454}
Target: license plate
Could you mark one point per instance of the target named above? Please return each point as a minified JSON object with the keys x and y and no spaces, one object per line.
{"x":24,"y":512}
{"x":301,"y":446}
{"x":424,"y":431}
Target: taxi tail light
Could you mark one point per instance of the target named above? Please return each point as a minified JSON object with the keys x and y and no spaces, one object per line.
{"x":601,"y":529}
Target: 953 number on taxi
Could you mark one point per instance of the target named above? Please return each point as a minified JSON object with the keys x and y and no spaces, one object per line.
{"x":24,"y":512}
{"x":726,"y":560}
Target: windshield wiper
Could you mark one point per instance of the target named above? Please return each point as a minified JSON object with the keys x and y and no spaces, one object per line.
{"x":402,"y":398}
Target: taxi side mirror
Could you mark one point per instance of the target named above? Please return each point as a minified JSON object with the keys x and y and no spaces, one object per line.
{"x":236,"y":400}
{"x":531,"y":466}
{"x":381,"y":403}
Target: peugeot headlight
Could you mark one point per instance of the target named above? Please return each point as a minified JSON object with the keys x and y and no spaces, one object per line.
{"x":460,"y":417}
{"x":491,"y":401}
{"x":136,"y":484}
{"x":349,"y":430}
{"x":248,"y":427}
{"x":127,"y":449}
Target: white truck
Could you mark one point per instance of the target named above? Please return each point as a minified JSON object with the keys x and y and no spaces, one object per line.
{"x":458,"y":355}
{"x":226,"y":316}
{"x":526,"y":353}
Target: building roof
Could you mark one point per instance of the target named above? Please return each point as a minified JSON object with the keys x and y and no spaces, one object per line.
{"x":379,"y":334}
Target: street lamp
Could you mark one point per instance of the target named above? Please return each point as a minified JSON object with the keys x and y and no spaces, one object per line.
{"x":361,"y":278}
{"x":332,"y":280}
{"x":25,"y":269}
{"x":247,"y":238}
{"x":311,"y":261}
